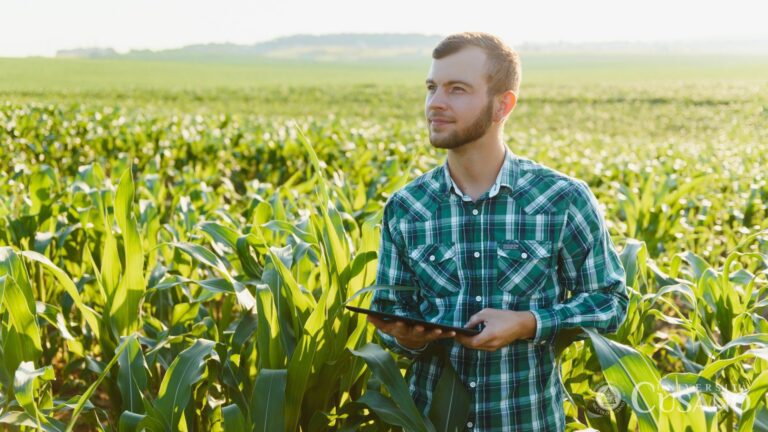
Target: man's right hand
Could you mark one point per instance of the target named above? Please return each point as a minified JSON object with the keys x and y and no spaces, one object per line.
{"x":411,"y":337}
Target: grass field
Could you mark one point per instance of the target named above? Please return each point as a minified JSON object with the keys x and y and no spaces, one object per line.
{"x":300,"y":88}
{"x":176,"y":239}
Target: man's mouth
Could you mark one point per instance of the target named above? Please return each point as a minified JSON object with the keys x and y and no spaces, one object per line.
{"x":439,"y":122}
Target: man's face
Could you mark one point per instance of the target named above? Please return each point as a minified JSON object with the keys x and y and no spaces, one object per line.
{"x":457,"y":107}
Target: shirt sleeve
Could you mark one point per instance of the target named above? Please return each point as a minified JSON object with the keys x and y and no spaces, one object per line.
{"x":589,"y":267}
{"x":393,"y":269}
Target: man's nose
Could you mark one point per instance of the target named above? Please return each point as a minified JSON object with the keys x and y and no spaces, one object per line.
{"x":436,"y":100}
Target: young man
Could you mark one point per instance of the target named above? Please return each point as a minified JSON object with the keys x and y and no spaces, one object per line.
{"x":495,"y":239}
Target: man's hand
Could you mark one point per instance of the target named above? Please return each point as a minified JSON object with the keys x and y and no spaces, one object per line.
{"x":412,"y":337}
{"x":502,"y":327}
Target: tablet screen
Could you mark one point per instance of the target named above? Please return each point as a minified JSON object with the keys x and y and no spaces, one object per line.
{"x":413,"y":321}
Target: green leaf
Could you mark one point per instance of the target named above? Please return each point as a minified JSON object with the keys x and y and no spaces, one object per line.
{"x":300,"y":367}
{"x":356,"y":266}
{"x":268,"y":400}
{"x":41,"y":185}
{"x":19,"y":303}
{"x":698,"y":264}
{"x":639,"y":385}
{"x":25,"y":383}
{"x":233,"y":418}
{"x":125,"y":308}
{"x":244,"y":297}
{"x":184,"y":312}
{"x":689,"y":389}
{"x":132,"y":376}
{"x":87,"y":395}
{"x":176,"y":388}
{"x":220,"y":233}
{"x":297,"y":301}
{"x":132,"y":422}
{"x":21,"y":418}
{"x":450,"y":402}
{"x":633,"y":258}
{"x":384,"y":368}
{"x":388,"y":411}
{"x":753,"y":402}
{"x":270,"y":336}
{"x":243,"y":246}
{"x":760,"y":339}
{"x":90,"y":316}
{"x":111,"y":268}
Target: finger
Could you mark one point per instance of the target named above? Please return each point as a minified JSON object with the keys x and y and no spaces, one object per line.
{"x":475,"y":320}
{"x":465,"y":340}
{"x":402,"y":329}
{"x":434,"y":334}
{"x":385,"y":326}
{"x":375,"y":321}
{"x":482,"y":339}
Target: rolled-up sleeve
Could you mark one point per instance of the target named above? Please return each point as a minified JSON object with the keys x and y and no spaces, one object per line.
{"x":393,"y":269}
{"x":589,"y":267}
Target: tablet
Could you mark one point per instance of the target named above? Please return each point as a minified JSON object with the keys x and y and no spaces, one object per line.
{"x":413,"y":321}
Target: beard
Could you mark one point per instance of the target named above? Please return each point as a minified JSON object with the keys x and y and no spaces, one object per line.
{"x":473,"y":132}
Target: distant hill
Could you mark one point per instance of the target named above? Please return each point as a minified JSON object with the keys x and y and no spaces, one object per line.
{"x":334,"y":47}
{"x":696,"y":47}
{"x":352,"y":47}
{"x":87,"y":53}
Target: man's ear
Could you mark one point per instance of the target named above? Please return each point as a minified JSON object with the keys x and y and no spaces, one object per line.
{"x":506,"y":103}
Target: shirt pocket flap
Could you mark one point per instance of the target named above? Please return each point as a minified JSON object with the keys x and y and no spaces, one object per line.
{"x":436,"y":252}
{"x":524,"y":249}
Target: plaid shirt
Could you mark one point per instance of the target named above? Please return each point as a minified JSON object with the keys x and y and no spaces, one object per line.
{"x":536,"y":235}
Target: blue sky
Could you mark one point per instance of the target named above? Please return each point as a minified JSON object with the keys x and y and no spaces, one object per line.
{"x":40,"y":27}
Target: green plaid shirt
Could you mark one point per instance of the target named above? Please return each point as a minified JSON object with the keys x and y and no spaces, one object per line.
{"x":534,"y":237}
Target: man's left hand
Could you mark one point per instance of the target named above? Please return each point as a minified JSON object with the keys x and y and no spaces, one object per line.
{"x":502,"y":327}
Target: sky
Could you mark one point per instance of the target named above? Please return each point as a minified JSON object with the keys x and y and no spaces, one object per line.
{"x":41,"y":27}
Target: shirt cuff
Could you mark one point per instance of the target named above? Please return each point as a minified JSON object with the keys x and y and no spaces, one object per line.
{"x":398,"y":348}
{"x":411,"y":351}
{"x":546,"y":326}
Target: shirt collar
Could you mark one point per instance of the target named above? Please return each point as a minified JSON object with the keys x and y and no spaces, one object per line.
{"x":505,"y":177}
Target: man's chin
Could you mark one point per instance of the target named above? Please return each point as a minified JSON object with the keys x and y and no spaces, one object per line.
{"x":444,"y":142}
{"x":440,"y":144}
{"x":447,"y":144}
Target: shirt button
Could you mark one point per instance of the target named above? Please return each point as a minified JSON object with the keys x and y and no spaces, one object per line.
{"x":470,"y":424}
{"x":473,"y":384}
{"x":431,"y":257}
{"x":524,"y":255}
{"x":477,"y":254}
{"x":475,"y":212}
{"x":478,"y":298}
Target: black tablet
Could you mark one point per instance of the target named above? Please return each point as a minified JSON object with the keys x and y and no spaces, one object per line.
{"x":413,"y":321}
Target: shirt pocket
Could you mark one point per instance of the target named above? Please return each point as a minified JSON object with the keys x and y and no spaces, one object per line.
{"x":522,"y":266}
{"x":436,"y":268}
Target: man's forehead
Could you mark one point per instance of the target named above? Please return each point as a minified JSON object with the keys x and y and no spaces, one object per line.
{"x":467,"y":65}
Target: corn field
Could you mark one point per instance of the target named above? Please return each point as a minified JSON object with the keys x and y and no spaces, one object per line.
{"x":174,"y":271}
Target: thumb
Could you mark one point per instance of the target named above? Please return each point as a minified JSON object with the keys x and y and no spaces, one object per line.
{"x":474,"y":320}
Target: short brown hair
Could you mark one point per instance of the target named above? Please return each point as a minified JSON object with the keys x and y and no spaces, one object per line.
{"x":504,"y":72}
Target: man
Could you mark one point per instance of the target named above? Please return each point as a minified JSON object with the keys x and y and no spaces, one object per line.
{"x":494,"y":239}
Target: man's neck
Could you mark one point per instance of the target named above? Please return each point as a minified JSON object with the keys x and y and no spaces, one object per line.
{"x":475,"y":166}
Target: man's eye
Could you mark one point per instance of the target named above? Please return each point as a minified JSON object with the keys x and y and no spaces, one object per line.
{"x":458,"y":89}
{"x":430,"y":88}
